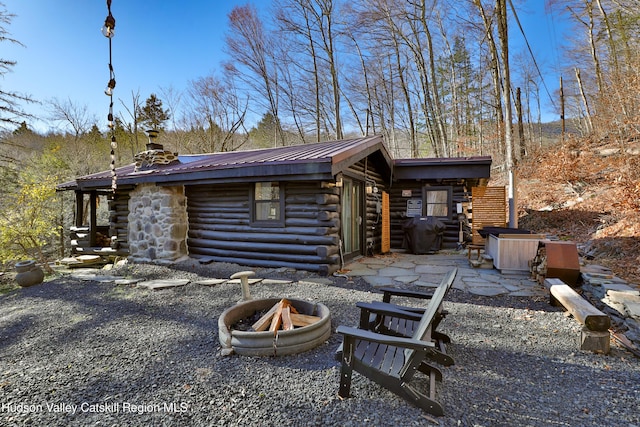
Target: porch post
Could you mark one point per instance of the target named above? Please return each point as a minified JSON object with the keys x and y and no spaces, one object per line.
{"x":79,"y":208}
{"x":93,"y":218}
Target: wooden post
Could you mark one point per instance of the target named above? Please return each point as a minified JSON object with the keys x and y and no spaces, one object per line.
{"x":79,"y":208}
{"x":562,"y":108}
{"x":595,"y":341}
{"x":93,"y":226}
{"x":522,"y":144}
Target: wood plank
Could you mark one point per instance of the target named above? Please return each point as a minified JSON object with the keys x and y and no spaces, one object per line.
{"x":265,"y":320}
{"x":489,"y":208}
{"x":276,"y":320}
{"x":580,"y":308}
{"x":303,"y":319}
{"x":287,"y":323}
{"x":385,"y":245}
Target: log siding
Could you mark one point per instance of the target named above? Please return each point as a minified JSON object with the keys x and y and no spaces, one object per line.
{"x":118,"y":220}
{"x":218,"y":189}
{"x":220,"y":227}
{"x":398,"y":208}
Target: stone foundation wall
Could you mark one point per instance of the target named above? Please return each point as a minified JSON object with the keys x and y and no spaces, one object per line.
{"x":157,"y":223}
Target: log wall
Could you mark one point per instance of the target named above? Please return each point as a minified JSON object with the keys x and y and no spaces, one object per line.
{"x":118,"y":220}
{"x":220,"y":227}
{"x":398,"y":208}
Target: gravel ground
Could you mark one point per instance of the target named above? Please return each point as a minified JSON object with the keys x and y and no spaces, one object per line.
{"x":77,"y":353}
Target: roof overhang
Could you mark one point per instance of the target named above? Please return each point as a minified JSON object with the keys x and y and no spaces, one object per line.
{"x":443,"y":168}
{"x":320,"y":161}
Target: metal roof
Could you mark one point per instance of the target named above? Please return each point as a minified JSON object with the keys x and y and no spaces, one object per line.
{"x":318,"y":161}
{"x":442,"y":168}
{"x":308,"y":161}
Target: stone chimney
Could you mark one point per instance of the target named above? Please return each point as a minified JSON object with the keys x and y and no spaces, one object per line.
{"x":154,"y":155}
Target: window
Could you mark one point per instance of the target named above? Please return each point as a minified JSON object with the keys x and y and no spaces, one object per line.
{"x":438,"y":201}
{"x":267,"y":202}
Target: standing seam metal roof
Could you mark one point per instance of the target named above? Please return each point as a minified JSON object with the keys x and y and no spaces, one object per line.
{"x":324,"y":152}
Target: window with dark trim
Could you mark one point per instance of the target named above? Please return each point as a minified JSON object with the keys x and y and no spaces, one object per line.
{"x":437,"y":201}
{"x":268,"y":203}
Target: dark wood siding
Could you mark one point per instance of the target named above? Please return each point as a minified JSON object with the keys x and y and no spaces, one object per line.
{"x":220,"y":227}
{"x":368,"y":172}
{"x":398,"y":207}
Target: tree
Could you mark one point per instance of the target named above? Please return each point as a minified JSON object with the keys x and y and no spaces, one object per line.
{"x":501,"y":8}
{"x":314,"y":29}
{"x":10,"y":110}
{"x":27,"y":220}
{"x":252,"y":50}
{"x":217,"y":114}
{"x":73,"y":115}
{"x":152,"y":114}
{"x":262,"y":134}
{"x":128,"y":131}
{"x":23,"y":129}
{"x":173,"y":100}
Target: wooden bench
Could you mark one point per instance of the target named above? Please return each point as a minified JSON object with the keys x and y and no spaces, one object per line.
{"x":393,"y":361}
{"x":595,"y":333}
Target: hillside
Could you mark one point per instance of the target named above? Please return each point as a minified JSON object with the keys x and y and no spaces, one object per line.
{"x":587,"y":192}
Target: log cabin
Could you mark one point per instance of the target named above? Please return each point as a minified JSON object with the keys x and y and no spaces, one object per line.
{"x":309,"y":207}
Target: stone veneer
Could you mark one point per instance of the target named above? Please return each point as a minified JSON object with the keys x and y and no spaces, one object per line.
{"x":150,"y":158}
{"x":157,"y":223}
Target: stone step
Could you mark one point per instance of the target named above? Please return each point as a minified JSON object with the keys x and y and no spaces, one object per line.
{"x":481,"y":264}
{"x":625,"y":302}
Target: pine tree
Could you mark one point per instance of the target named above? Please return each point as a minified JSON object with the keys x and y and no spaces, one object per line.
{"x":152,"y":114}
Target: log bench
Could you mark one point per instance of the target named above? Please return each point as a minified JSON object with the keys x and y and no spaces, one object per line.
{"x":596,"y":324}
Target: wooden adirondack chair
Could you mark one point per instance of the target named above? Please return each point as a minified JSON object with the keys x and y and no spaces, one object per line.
{"x":402,"y":321}
{"x":393,"y":361}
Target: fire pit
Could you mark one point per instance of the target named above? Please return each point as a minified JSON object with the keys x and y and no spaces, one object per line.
{"x":313,"y":320}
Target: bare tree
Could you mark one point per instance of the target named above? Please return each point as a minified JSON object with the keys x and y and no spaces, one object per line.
{"x":131,"y":125}
{"x":173,"y":100}
{"x":217,"y":114}
{"x":71,"y":115}
{"x":11,"y":112}
{"x":503,"y":35}
{"x":312,"y":26}
{"x":488,"y":22}
{"x":250,"y":48}
{"x":295,"y":19}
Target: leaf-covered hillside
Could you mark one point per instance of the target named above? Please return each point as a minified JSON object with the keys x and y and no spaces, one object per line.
{"x":587,"y":192}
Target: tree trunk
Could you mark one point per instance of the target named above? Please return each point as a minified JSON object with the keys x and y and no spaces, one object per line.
{"x":501,"y":6}
{"x":585,"y":102}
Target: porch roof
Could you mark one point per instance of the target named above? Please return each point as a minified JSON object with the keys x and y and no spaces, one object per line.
{"x":478,"y":167}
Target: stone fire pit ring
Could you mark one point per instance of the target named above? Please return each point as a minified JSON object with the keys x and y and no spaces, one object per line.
{"x":266,"y":343}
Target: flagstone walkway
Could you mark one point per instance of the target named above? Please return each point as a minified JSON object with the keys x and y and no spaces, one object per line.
{"x":427,"y":270}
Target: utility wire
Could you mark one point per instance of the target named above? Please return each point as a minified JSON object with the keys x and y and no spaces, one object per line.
{"x":535,"y":63}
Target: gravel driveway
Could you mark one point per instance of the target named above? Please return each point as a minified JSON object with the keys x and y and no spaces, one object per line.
{"x":77,"y":353}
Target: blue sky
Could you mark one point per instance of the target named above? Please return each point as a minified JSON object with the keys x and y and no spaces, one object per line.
{"x":158,"y":44}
